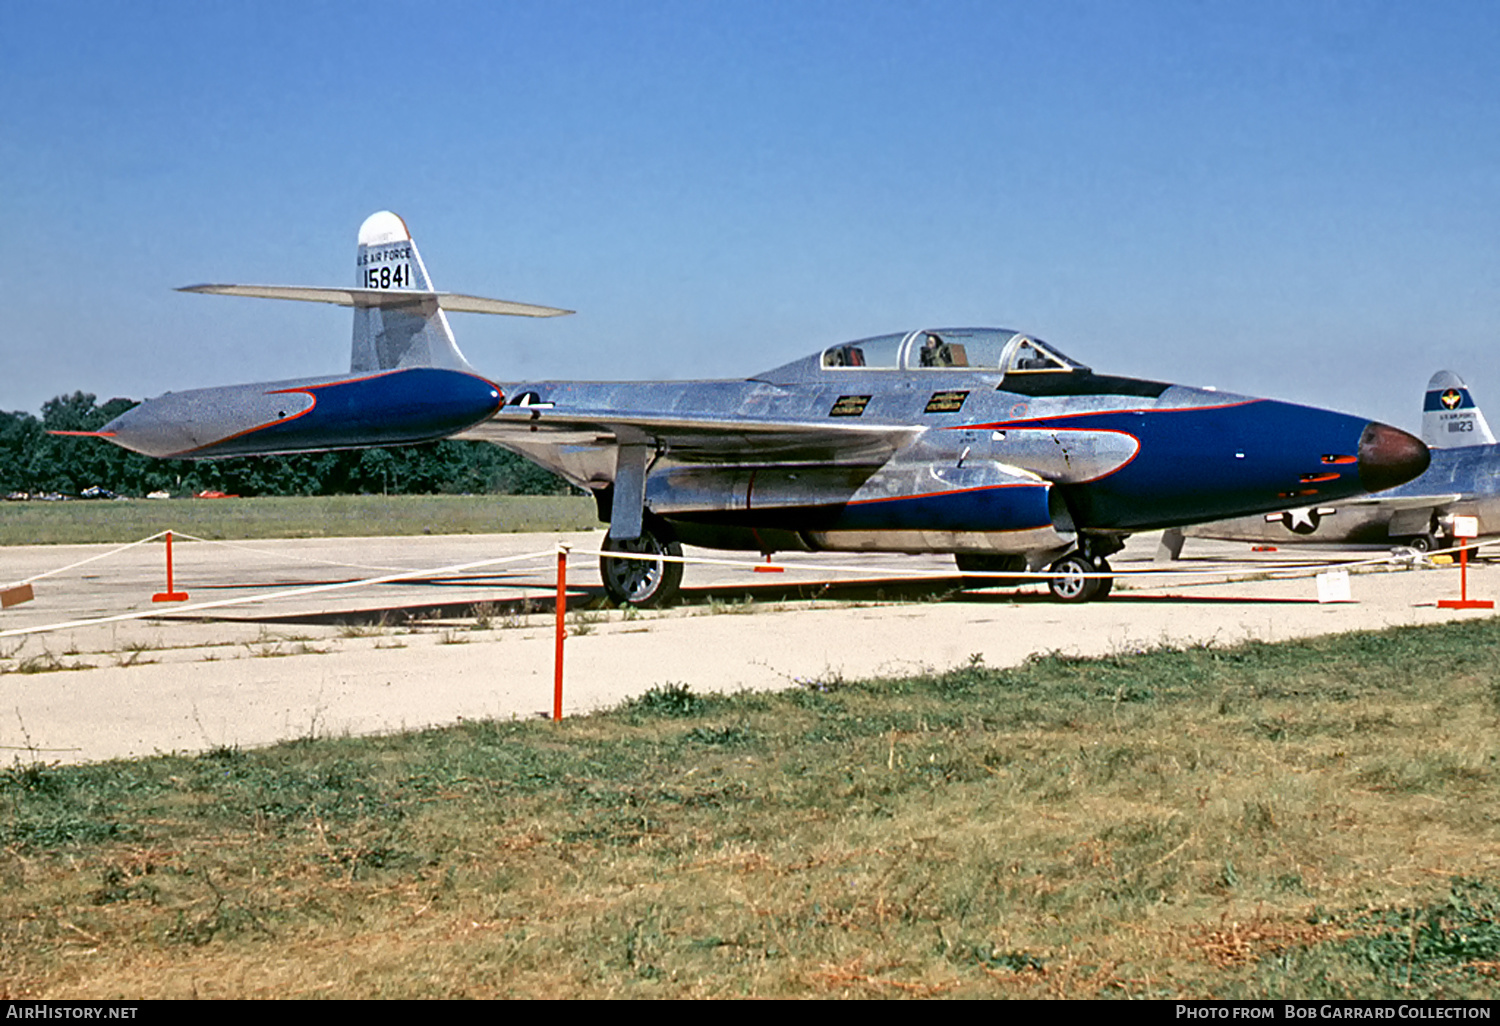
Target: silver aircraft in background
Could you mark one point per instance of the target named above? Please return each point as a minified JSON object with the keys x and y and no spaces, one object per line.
{"x":985,"y":443}
{"x":1463,"y":480}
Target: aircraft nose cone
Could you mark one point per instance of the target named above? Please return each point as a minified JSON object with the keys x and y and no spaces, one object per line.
{"x":1389,"y":456}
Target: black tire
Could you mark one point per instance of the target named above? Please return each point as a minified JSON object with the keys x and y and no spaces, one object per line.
{"x":1106,"y":584}
{"x":1422,"y":543}
{"x":1070,"y":585}
{"x":984,"y":563}
{"x":639,"y":582}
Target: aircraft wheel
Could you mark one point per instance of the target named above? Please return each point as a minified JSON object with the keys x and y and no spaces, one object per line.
{"x":640,"y":582}
{"x":975,"y":563}
{"x":1422,"y":543}
{"x":1069,"y":584}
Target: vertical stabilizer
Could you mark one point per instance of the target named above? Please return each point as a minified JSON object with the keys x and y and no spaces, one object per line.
{"x":388,"y":334}
{"x":1450,"y":417}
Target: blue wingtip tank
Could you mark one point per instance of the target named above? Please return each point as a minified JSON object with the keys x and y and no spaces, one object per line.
{"x":396,"y":407}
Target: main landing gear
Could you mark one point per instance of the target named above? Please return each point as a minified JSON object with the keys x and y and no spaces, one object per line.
{"x":1425,"y":543}
{"x":645,"y":583}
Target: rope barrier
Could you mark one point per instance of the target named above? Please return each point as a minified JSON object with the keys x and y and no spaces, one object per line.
{"x":242,"y":547}
{"x":1288,"y":571}
{"x":1279,"y":571}
{"x":91,"y":559}
{"x":561,"y":552}
{"x":232,"y":546}
{"x":312,"y":589}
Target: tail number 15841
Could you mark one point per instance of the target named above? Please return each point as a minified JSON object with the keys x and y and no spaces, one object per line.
{"x":397,"y":276}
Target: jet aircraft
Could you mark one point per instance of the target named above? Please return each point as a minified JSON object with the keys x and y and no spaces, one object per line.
{"x":985,"y":443}
{"x":1463,"y":480}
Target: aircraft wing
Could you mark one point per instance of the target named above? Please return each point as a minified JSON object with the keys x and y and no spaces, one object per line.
{"x":359,"y":297}
{"x":1404,"y":501}
{"x":687,"y":438}
{"x":699,"y":439}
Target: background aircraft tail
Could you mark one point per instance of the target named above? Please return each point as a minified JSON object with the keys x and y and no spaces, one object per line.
{"x":398,"y":316}
{"x":1450,"y":417}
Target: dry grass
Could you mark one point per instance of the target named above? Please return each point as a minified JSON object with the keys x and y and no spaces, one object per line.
{"x":1303,"y":820}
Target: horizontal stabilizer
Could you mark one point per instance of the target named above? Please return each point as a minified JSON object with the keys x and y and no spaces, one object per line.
{"x":359,"y":297}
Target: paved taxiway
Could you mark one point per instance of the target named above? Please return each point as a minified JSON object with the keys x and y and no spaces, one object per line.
{"x":411,"y":654}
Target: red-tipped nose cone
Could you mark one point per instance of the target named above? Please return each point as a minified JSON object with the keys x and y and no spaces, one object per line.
{"x":1389,"y":456}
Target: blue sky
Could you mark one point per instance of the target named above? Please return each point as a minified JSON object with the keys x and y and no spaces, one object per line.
{"x":1288,"y":199}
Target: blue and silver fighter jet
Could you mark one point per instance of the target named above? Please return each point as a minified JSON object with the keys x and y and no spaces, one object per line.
{"x":986,"y":443}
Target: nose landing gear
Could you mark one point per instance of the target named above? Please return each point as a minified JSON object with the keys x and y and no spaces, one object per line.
{"x":1071,"y":583}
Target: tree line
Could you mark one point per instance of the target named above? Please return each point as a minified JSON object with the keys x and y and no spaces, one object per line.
{"x":31,"y":460}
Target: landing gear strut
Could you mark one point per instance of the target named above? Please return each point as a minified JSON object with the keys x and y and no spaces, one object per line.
{"x":646,"y":583}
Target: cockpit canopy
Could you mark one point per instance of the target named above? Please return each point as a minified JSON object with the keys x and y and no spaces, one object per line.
{"x":974,"y":349}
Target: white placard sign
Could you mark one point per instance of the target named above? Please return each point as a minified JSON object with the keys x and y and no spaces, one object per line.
{"x":1333,"y":586}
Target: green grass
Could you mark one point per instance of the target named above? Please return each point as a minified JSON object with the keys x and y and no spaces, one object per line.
{"x":45,"y":523}
{"x":1312,"y":819}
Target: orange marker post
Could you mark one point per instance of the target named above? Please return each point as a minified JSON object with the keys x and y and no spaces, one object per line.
{"x":562,"y":632}
{"x":169,"y":595}
{"x":1465,"y":529}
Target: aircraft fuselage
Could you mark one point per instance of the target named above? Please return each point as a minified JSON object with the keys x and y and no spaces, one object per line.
{"x":953,"y":460}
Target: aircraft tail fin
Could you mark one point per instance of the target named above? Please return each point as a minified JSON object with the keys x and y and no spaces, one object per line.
{"x":406,"y":334}
{"x":398,"y":317}
{"x":1450,"y":417}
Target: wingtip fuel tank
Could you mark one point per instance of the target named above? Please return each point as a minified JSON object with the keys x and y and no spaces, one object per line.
{"x":398,"y":407}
